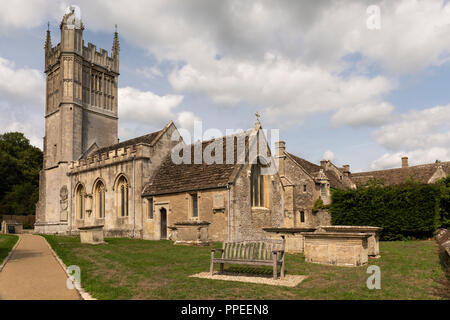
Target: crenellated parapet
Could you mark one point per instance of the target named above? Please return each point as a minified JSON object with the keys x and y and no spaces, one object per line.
{"x":100,"y":58}
{"x":111,"y":158}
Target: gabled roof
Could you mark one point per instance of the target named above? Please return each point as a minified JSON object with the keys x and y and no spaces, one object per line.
{"x":150,"y":139}
{"x":314,"y":169}
{"x":174,"y":178}
{"x":421,"y":173}
{"x":309,"y":167}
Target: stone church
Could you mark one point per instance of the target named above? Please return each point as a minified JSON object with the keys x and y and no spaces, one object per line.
{"x":133,"y":188}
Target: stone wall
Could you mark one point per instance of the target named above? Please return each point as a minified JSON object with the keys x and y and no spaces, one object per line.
{"x":247,"y":223}
{"x":179,"y":209}
{"x":443,"y":240}
{"x":341,"y":249}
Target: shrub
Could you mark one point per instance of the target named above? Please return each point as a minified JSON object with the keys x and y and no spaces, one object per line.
{"x":404,"y":211}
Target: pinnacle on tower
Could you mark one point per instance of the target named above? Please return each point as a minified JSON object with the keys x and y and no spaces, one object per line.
{"x":116,"y":44}
{"x":48,"y":41}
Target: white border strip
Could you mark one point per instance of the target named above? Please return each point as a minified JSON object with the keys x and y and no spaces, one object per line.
{"x":9,"y":255}
{"x":84,"y":294}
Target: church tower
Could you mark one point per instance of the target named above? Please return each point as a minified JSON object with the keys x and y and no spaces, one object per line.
{"x":81,"y":113}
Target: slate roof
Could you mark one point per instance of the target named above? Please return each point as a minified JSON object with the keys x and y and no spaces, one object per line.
{"x":421,"y":173}
{"x":148,"y":138}
{"x":314,"y":169}
{"x":174,"y":178}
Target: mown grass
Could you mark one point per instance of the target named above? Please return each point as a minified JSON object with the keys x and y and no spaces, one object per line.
{"x":139,"y":269}
{"x":7,"y":242}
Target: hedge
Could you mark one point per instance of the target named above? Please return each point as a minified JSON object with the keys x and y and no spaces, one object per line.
{"x":403,"y":211}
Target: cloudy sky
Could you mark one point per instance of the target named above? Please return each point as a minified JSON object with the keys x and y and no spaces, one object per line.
{"x":335,"y":88}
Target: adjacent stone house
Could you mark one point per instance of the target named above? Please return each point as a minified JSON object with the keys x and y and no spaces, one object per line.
{"x":304,"y":183}
{"x":425,"y":173}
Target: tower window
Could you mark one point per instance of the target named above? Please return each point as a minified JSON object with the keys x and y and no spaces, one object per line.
{"x":302,"y":216}
{"x":304,"y":188}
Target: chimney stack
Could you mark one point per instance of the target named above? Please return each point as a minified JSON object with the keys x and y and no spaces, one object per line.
{"x":346,"y":169}
{"x":405,"y":162}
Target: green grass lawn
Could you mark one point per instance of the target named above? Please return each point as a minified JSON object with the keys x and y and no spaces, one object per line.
{"x":139,"y":269}
{"x":7,"y":242}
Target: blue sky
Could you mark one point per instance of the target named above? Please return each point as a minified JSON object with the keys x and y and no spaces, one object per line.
{"x":314,"y":70}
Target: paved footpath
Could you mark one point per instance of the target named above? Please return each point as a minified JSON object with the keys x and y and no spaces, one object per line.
{"x":32,"y":273}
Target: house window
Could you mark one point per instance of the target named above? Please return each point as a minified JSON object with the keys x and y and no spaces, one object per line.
{"x":302,"y":216}
{"x":256,"y":187}
{"x":81,"y":193}
{"x":123,"y":191}
{"x":194,"y":205}
{"x":323,"y":190}
{"x":100,"y":199}
{"x":150,"y":208}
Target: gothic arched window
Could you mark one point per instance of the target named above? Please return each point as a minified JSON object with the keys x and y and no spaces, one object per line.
{"x":100,"y":200}
{"x":80,"y":203}
{"x":256,"y":187}
{"x":122,"y":193}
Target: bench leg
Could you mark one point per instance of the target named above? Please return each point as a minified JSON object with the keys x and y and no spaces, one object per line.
{"x":211,"y":269}
{"x":275,"y":266}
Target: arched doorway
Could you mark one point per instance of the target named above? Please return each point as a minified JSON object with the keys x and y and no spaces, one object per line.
{"x":163,"y":213}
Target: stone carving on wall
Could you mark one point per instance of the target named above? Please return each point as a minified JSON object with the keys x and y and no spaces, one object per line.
{"x":64,"y":202}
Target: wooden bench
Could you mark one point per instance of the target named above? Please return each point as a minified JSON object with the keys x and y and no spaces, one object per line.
{"x":260,"y":252}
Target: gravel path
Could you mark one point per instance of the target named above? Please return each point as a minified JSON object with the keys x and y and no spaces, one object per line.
{"x":32,"y":273}
{"x":288,"y":281}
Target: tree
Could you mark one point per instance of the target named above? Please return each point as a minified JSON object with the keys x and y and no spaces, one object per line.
{"x":20,"y":163}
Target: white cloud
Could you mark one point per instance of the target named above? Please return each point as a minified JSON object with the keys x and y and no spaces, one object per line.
{"x":26,"y":14}
{"x":363,"y":115}
{"x":287,"y":90}
{"x":22,"y":85}
{"x":423,"y":135}
{"x":150,"y":72}
{"x":148,"y":108}
{"x":328,"y":155}
{"x":417,"y":129}
{"x":22,"y":101}
{"x":415,"y":157}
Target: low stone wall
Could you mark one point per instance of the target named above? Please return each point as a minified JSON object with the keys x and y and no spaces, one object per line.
{"x":50,"y":228}
{"x":293,"y":236}
{"x":16,"y":226}
{"x":336,"y":248}
{"x":373,"y":232}
{"x":443,"y":240}
{"x":190,"y":233}
{"x":92,"y":235}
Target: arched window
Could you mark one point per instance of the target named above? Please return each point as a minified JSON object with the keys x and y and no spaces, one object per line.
{"x":80,"y":203}
{"x":122,"y":194}
{"x":100,"y":200}
{"x":302,"y":216}
{"x":256,"y":187}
